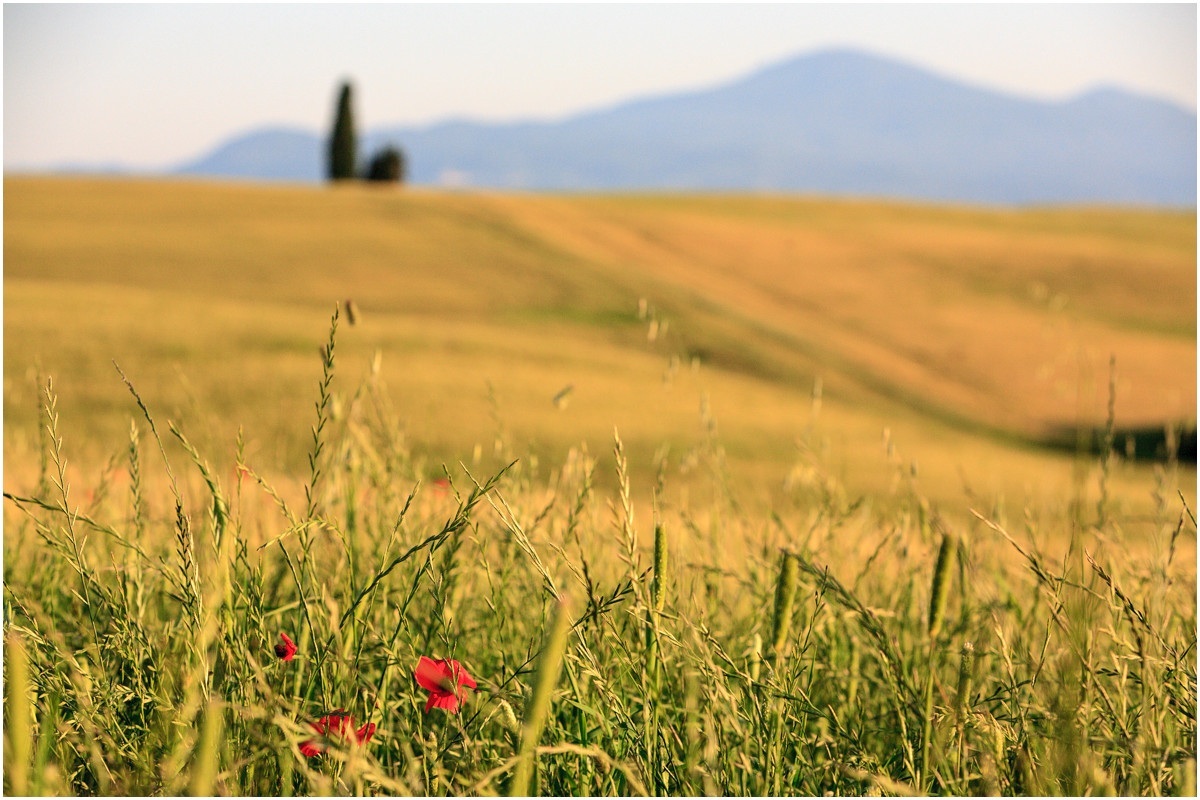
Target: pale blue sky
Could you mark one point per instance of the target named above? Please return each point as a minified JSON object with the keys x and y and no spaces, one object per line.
{"x":154,"y":85}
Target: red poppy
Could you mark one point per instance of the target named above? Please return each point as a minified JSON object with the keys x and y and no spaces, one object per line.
{"x":441,"y":487}
{"x":445,"y":680}
{"x":341,"y":724}
{"x":286,"y":650}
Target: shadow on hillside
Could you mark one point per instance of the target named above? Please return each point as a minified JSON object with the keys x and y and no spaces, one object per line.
{"x":1146,"y":443}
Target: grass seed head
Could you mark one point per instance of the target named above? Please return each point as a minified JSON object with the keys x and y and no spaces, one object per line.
{"x":785,"y":600}
{"x":940,"y":590}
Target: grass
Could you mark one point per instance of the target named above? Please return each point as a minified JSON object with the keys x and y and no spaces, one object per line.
{"x":833,"y":649}
{"x":836,"y":553}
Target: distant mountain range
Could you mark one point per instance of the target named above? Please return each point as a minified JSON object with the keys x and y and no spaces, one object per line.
{"x":834,"y":122}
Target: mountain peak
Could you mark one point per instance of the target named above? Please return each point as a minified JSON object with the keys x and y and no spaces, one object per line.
{"x":837,"y":120}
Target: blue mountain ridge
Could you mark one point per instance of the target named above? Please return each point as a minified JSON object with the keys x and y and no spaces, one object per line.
{"x":836,"y":122}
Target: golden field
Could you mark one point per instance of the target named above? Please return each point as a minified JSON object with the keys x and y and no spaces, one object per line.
{"x":970,"y":335}
{"x":766,"y":495}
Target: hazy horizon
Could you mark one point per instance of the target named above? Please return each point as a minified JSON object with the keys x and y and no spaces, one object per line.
{"x":150,"y":86}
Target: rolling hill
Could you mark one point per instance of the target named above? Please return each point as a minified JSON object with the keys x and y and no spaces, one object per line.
{"x":976,"y":337}
{"x":836,"y":122}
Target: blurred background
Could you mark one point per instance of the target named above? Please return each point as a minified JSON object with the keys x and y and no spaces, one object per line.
{"x":953,"y":244}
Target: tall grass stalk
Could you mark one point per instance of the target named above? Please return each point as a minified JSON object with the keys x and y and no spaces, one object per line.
{"x":962,"y":705}
{"x":204,"y":769}
{"x":939,"y":593}
{"x":786,"y":586}
{"x":625,"y":511}
{"x":75,"y":539}
{"x":549,"y":667}
{"x":1106,"y":446}
{"x":18,"y":707}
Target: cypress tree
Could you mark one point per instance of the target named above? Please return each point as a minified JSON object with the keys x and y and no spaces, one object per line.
{"x":342,"y":145}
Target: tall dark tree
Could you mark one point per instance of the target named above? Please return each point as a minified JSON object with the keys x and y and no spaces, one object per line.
{"x":343,"y":145}
{"x":388,"y":165}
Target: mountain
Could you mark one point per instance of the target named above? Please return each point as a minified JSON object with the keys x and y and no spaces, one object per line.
{"x":267,"y":154}
{"x":837,"y":122}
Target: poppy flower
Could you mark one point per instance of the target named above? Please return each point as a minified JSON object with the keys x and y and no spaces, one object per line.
{"x":445,"y":680}
{"x":335,"y":722}
{"x":287,"y":649}
{"x":441,"y":487}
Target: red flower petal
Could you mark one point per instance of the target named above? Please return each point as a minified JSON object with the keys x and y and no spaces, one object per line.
{"x":432,"y":676}
{"x":446,"y":680}
{"x":463,"y":678}
{"x":444,"y":700}
{"x":286,"y":650}
{"x":335,"y":722}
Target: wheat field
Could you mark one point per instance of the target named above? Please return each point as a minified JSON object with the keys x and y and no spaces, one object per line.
{"x":411,"y":492}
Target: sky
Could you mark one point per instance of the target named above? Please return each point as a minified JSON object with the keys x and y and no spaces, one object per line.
{"x":150,"y":86}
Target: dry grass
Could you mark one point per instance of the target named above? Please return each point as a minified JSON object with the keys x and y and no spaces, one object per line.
{"x":838,"y":647}
{"x":888,"y":586}
{"x":961,"y":331}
